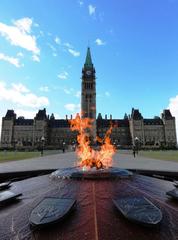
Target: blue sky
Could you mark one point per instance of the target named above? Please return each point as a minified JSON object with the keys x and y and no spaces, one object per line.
{"x":134,"y":46}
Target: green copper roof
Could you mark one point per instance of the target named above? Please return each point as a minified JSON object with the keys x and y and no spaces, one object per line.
{"x":88,"y":61}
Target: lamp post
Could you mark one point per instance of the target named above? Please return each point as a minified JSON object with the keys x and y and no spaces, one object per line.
{"x":136,"y":144}
{"x":63,"y":146}
{"x":42,"y":148}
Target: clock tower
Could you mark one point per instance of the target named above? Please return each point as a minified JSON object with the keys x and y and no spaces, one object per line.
{"x":88,"y":94}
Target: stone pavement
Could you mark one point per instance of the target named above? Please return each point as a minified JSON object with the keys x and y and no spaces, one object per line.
{"x":121,"y":159}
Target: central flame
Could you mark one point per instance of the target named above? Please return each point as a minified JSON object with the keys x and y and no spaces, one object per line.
{"x":89,"y":157}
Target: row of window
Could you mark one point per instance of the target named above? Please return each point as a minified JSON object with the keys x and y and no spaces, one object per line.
{"x":88,"y":85}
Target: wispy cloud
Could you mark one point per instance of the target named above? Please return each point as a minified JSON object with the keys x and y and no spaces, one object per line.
{"x":41,"y":33}
{"x":19,"y":34}
{"x":44,"y":89}
{"x":57,"y":40}
{"x":107,"y":94}
{"x":54,"y":51}
{"x":74,"y":52}
{"x":19,"y":87}
{"x":20,"y":54}
{"x":63,"y":75}
{"x":71,"y":49}
{"x":70,"y":91}
{"x":21,"y":95}
{"x":54,"y":54}
{"x":11,"y":60}
{"x":67,"y":91}
{"x":80,"y":2}
{"x":36,"y":25}
{"x":72,"y":107}
{"x":101,"y":16}
{"x":91,"y":9}
{"x":52,"y":47}
{"x":68,"y":45}
{"x":78,"y":94}
{"x":99,"y":42}
{"x":35,"y":58}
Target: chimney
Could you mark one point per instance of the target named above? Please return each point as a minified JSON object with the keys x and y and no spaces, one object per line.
{"x":111,"y":116}
{"x":71,"y":116}
{"x":105,"y":116}
{"x":66,"y":117}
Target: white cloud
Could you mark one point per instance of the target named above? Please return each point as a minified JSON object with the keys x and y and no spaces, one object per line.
{"x":19,"y":94}
{"x":99,"y":42}
{"x":72,"y":107}
{"x":52,"y":47}
{"x":74,"y":53}
{"x":91,"y":9}
{"x":19,"y":35}
{"x":78,"y":94}
{"x":80,"y":2}
{"x":44,"y":89}
{"x":68,"y":45}
{"x":42,"y":33}
{"x":35,"y":58}
{"x":107,"y":94}
{"x":24,"y":24}
{"x":57,"y":116}
{"x":67,"y":91}
{"x":63,"y":75}
{"x":11,"y":60}
{"x":57,"y":40}
{"x":20,"y":54}
{"x":101,"y":16}
{"x":29,"y":114}
{"x":54,"y":54}
{"x":36,"y":25}
{"x":173,"y":106}
{"x":71,"y":49}
{"x":19,"y":87}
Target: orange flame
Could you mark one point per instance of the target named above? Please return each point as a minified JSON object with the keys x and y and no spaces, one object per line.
{"x":88,"y":157}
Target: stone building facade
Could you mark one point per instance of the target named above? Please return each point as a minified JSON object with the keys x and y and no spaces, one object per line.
{"x":48,"y":132}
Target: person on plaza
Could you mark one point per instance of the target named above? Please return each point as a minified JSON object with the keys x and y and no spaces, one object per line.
{"x":63,"y":147}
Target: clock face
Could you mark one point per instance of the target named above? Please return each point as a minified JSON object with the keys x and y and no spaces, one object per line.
{"x":88,"y":72}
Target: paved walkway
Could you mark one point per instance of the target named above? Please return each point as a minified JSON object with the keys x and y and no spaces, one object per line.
{"x":121,"y":159}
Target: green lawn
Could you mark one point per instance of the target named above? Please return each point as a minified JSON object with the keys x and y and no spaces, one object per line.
{"x":17,"y":155}
{"x":13,"y":155}
{"x":168,"y":155}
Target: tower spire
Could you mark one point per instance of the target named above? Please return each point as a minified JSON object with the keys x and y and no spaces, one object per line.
{"x":88,"y":61}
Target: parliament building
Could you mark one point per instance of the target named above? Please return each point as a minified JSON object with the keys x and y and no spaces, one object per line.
{"x":51,"y":133}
